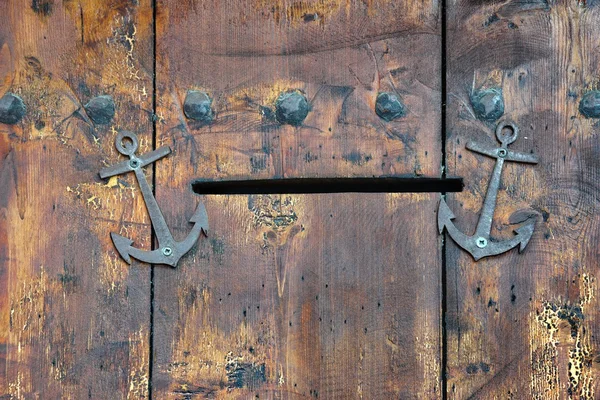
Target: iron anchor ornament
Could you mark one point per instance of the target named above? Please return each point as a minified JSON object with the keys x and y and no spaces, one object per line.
{"x":169,"y":251}
{"x":481,"y":244}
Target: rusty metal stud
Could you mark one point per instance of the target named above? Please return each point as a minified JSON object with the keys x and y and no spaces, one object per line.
{"x":488,"y":104}
{"x":590,"y":104}
{"x":12,"y":109}
{"x":389,"y":107}
{"x":291,"y":108}
{"x":100,"y":109}
{"x":197,"y":106}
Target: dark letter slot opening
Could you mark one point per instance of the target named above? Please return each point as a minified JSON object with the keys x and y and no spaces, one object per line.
{"x":330,"y":185}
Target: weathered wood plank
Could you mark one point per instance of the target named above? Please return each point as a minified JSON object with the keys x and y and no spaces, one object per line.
{"x":304,"y":296}
{"x":75,"y":318}
{"x":299,"y":296}
{"x":526,"y":326}
{"x":339,"y":54}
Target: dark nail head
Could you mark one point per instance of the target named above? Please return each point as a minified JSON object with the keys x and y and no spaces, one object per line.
{"x":389,"y":107}
{"x":590,"y":104}
{"x":291,"y":108}
{"x":101,"y":109}
{"x":197,"y":106}
{"x":12,"y":109}
{"x":488,"y":104}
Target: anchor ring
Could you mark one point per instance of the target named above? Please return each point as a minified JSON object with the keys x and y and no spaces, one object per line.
{"x":502,"y":136}
{"x":126,"y":147}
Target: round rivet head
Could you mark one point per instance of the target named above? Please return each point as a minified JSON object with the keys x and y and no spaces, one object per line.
{"x":12,"y":109}
{"x":590,"y":104}
{"x":488,"y":104}
{"x":101,"y":109}
{"x":389,"y":107}
{"x":291,"y":108}
{"x":197,"y":106}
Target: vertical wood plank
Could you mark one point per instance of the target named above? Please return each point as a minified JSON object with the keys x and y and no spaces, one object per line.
{"x":308,"y":296}
{"x":75,"y":317}
{"x":526,"y":326}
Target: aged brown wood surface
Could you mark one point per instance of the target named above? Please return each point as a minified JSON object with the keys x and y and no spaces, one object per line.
{"x":304,"y":296}
{"x":75,"y":318}
{"x":340,"y":53}
{"x":322,"y":296}
{"x":526,"y":326}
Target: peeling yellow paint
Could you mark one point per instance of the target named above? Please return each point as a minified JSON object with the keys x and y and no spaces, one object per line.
{"x":122,"y":66}
{"x":396,"y":201}
{"x":587,"y":288}
{"x":561,"y":347}
{"x":138,"y":365}
{"x":202,"y":354}
{"x":27,"y":307}
{"x":112,"y":271}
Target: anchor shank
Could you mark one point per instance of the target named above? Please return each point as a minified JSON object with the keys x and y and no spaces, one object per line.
{"x":163,"y":234}
{"x":484,"y":226}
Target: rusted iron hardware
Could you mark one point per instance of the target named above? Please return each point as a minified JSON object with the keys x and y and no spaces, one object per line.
{"x":481,"y":244}
{"x":169,"y":251}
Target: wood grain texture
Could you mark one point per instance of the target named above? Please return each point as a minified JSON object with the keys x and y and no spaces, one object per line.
{"x":341,"y":54}
{"x":304,"y":296}
{"x":526,"y":326}
{"x":315,"y":296}
{"x":75,"y":318}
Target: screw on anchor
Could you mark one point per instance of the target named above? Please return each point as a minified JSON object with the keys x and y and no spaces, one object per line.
{"x":481,"y":242}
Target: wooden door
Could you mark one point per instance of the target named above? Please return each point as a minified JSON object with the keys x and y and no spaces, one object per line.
{"x":330,"y":295}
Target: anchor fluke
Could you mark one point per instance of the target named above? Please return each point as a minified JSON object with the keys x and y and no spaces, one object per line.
{"x":445,"y":215}
{"x":525,"y":232}
{"x":200,"y":218}
{"x":122,"y":244}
